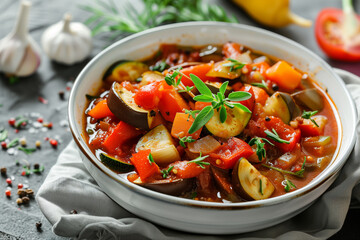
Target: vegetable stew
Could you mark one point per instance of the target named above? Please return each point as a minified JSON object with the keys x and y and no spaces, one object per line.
{"x":221,"y":123}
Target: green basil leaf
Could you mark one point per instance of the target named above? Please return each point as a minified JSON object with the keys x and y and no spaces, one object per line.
{"x":239,"y":96}
{"x":201,"y":119}
{"x":203,"y":98}
{"x":223,"y":87}
{"x":223,"y":114}
{"x":200,"y":85}
{"x":242,"y":107}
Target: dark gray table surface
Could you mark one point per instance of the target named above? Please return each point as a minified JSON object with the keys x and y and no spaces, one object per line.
{"x":18,"y":222}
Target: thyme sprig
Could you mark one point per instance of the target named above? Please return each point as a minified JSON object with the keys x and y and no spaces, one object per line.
{"x":199,"y":161}
{"x":260,"y":143}
{"x":261,"y":85}
{"x":171,"y":80}
{"x":159,"y":66}
{"x":126,"y":19}
{"x":187,"y":89}
{"x":27,"y":150}
{"x":151,"y":159}
{"x":218,"y":102}
{"x":299,"y":173}
{"x":166,"y":172}
{"x":185,"y":139}
{"x":275,"y":136}
{"x":308,"y":115}
{"x":192,"y":113}
{"x":288,"y":184}
{"x":234,"y":64}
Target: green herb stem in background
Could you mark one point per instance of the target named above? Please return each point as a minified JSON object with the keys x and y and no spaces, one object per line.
{"x":3,"y":135}
{"x":199,"y":161}
{"x":27,"y":150}
{"x":308,"y":115}
{"x":106,"y":16}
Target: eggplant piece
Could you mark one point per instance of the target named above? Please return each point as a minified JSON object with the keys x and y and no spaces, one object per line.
{"x":151,"y":76}
{"x":283,"y":106}
{"x":125,"y":71}
{"x":249,"y":183}
{"x":211,"y":53}
{"x":235,"y":123}
{"x":219,"y":70}
{"x":309,"y":99}
{"x":161,"y":144}
{"x":121,"y":103}
{"x":168,"y":186}
{"x":223,"y":182}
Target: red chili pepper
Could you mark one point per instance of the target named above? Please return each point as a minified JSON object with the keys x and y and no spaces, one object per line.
{"x":331,"y":37}
{"x":8,"y":193}
{"x":12,"y":121}
{"x":8,"y":181}
{"x":20,"y":186}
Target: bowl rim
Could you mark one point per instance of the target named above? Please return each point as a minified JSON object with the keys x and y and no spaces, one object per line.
{"x":336,"y":166}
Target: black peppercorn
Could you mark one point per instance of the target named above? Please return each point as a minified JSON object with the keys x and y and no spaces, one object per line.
{"x":21,"y":193}
{"x":38,"y":225}
{"x":25,"y":200}
{"x":36,"y":166}
{"x":267,"y":119}
{"x":29,"y":192}
{"x":275,"y":87}
{"x":62,"y":95}
{"x":3,"y":171}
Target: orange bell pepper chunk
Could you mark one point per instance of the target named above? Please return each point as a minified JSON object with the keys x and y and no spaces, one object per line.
{"x":284,"y":75}
{"x":181,"y":126}
{"x":100,"y":110}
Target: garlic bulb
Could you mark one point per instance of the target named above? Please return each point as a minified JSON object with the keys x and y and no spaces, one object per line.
{"x":19,"y":54}
{"x":67,"y":42}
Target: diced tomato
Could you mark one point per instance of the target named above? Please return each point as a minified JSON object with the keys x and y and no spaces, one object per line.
{"x":285,"y":132}
{"x":119,"y":135}
{"x":100,"y":110}
{"x":285,"y":76}
{"x":201,"y":105}
{"x":309,"y":129}
{"x":251,"y":101}
{"x":288,"y":160}
{"x":186,"y":169}
{"x":260,"y":95}
{"x":181,"y":126}
{"x":261,"y":67}
{"x":200,"y":71}
{"x":148,"y":96}
{"x":231,"y":50}
{"x":229,"y":153}
{"x":171,"y":103}
{"x":142,"y":164}
{"x":237,"y":86}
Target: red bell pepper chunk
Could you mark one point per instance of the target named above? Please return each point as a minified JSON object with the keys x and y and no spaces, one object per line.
{"x":331,"y":39}
{"x":285,"y":132}
{"x":100,"y":110}
{"x":148,"y":96}
{"x":231,"y":50}
{"x":229,"y":153}
{"x":200,"y":71}
{"x":171,"y":103}
{"x":186,"y":169}
{"x":119,"y":135}
{"x":143,"y":166}
{"x":309,"y":129}
{"x":260,"y":95}
{"x":251,"y":101}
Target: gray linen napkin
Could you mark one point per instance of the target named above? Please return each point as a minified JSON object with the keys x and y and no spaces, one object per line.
{"x":69,"y":186}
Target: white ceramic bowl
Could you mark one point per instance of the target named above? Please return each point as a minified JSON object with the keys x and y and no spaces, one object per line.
{"x":207,"y":217}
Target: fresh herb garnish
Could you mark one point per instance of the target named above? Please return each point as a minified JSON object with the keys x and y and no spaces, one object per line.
{"x":260,"y":143}
{"x":27,"y":150}
{"x":171,"y":80}
{"x":13,"y":143}
{"x":218,"y":102}
{"x":288,"y":185}
{"x":234,"y":64}
{"x":261,"y":85}
{"x":13,"y":79}
{"x":275,"y":136}
{"x":106,"y":16}
{"x":19,"y":121}
{"x":27,"y":170}
{"x":187,"y":89}
{"x":166,"y":172}
{"x":260,"y":189}
{"x":3,"y":135}
{"x":159,"y":66}
{"x":185,"y":139}
{"x":308,"y":115}
{"x":193,"y":195}
{"x":299,"y":173}
{"x":192,"y":113}
{"x":151,"y":159}
{"x":91,"y":97}
{"x":199,"y":161}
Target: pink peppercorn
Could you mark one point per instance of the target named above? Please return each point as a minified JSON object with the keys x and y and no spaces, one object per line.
{"x":53,"y":143}
{"x":40,"y":120}
{"x":3,"y":145}
{"x":8,"y":181}
{"x":12,"y":121}
{"x":20,"y":186}
{"x":8,"y":193}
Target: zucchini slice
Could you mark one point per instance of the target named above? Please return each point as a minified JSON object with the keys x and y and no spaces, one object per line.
{"x":283,"y":106}
{"x":249,"y":183}
{"x":219,"y":70}
{"x":116,"y":164}
{"x":235,"y":123}
{"x":125,"y":71}
{"x":121,"y":103}
{"x":151,"y":76}
{"x":161,"y":144}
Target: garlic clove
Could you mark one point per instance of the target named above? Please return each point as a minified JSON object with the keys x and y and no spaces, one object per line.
{"x":19,"y":54}
{"x":67,"y":42}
